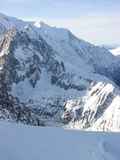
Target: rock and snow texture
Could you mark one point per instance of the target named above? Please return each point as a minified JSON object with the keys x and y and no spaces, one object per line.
{"x":22,"y":142}
{"x":46,"y":68}
{"x":99,"y":110}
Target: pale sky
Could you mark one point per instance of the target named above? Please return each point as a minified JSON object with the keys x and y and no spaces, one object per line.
{"x":97,"y":21}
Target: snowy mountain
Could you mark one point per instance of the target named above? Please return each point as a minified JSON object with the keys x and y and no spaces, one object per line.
{"x":50,"y":77}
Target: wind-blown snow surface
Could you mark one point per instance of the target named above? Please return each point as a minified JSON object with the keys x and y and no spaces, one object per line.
{"x":19,"y":142}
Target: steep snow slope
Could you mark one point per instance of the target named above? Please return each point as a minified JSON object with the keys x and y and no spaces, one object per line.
{"x":21,"y":142}
{"x":66,"y":44}
{"x":81,"y":53}
{"x":98,"y":110}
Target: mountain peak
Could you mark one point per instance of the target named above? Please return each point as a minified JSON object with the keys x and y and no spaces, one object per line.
{"x":40,"y":24}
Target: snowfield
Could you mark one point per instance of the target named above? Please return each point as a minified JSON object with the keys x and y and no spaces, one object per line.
{"x":19,"y":142}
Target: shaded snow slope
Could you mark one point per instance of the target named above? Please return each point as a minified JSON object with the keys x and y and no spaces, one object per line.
{"x":21,"y":142}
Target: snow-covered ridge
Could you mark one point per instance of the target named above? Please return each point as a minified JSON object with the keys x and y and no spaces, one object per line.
{"x":10,"y":22}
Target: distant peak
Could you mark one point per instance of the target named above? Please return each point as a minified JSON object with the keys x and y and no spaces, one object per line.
{"x":40,"y":24}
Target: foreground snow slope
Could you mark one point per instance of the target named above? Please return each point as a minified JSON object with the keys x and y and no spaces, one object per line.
{"x":19,"y":142}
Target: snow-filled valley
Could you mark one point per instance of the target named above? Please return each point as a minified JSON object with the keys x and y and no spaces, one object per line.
{"x":19,"y":142}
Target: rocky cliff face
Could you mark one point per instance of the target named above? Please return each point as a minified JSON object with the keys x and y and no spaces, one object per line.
{"x":50,"y":77}
{"x":98,"y":110}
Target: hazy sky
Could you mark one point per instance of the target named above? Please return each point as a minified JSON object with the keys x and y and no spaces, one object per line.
{"x":97,"y":21}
